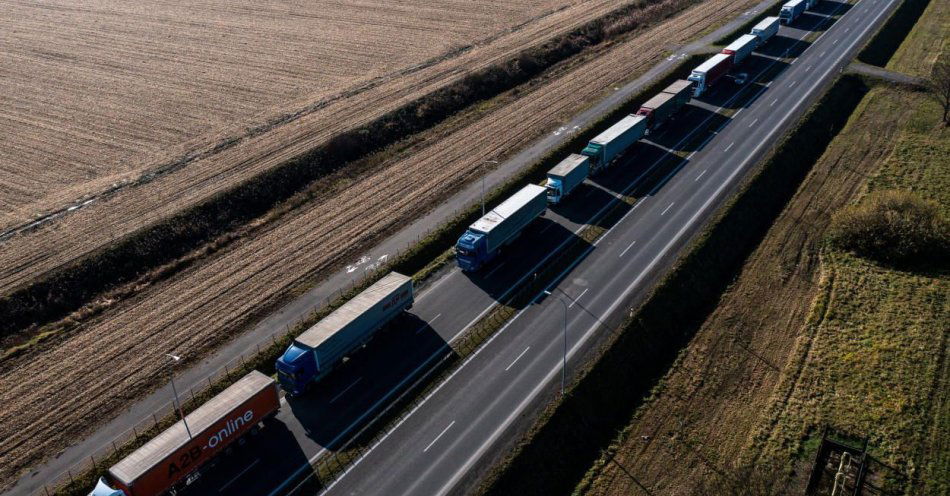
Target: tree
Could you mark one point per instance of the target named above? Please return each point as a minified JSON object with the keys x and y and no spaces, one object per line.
{"x":938,"y":85}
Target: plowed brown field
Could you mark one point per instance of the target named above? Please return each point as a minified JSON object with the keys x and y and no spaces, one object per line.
{"x":115,"y":93}
{"x":45,"y":396}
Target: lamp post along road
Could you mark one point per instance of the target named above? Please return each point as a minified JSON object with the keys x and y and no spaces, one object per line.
{"x":564,"y":356}
{"x":171,"y":375}
{"x":483,"y":184}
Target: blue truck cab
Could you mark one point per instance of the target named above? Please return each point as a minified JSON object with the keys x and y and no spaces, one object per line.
{"x":471,"y":251}
{"x":483,"y":240}
{"x":296,"y":369}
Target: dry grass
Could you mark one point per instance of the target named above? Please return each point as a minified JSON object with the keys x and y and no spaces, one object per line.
{"x":204,"y":305}
{"x":807,"y":337}
{"x":101,"y":92}
{"x":147,"y":91}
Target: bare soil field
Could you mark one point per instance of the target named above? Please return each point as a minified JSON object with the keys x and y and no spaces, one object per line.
{"x":807,"y":337}
{"x":185,"y":107}
{"x":46,"y":395}
{"x":99,"y":93}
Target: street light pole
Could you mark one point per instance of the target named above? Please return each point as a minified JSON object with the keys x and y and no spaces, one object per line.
{"x":171,"y":376}
{"x":483,"y":185}
{"x":564,"y":356}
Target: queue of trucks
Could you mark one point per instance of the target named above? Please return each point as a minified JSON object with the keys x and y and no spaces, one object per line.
{"x":173,"y":457}
{"x":485,"y":238}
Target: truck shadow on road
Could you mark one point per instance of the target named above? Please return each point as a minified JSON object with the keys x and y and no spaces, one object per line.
{"x":782,"y":46}
{"x":252,"y":465}
{"x":687,"y":133}
{"x":524,"y":263}
{"x":371,"y":379}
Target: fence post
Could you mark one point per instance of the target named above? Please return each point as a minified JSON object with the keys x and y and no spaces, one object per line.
{"x":93,"y":462}
{"x":71,"y":481}
{"x":227,"y":372}
{"x":154,"y":418}
{"x":115,"y":450}
{"x":46,"y":488}
{"x":135,"y":433}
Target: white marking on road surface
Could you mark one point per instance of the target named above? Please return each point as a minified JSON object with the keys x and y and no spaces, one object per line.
{"x":667,"y":208}
{"x":625,"y":250}
{"x":578,"y":298}
{"x":847,"y":29}
{"x":501,"y":331}
{"x":753,"y":122}
{"x":701,"y":174}
{"x":516,"y":359}
{"x":773,"y":102}
{"x":807,"y":68}
{"x":341,"y":393}
{"x":822,"y":54}
{"x":730,"y":146}
{"x":440,"y":435}
{"x":792,"y":84}
{"x":427,"y":324}
{"x":489,"y":274}
{"x":835,"y":42}
{"x":238,"y":476}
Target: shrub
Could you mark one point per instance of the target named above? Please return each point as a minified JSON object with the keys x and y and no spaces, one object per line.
{"x":894,"y":227}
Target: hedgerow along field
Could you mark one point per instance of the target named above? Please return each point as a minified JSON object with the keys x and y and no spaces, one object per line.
{"x":212,"y":301}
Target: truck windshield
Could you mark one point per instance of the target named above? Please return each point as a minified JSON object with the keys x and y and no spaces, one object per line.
{"x":288,"y":377}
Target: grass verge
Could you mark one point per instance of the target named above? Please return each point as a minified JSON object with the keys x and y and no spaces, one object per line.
{"x":882,"y":46}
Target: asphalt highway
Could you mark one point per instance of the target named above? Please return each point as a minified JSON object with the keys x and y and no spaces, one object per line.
{"x":679,"y":176}
{"x":436,"y":446}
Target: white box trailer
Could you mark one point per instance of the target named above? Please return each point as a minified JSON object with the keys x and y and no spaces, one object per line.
{"x":320,"y":348}
{"x":610,"y":144}
{"x":765,"y":29}
{"x":567,"y":175}
{"x":741,"y":48}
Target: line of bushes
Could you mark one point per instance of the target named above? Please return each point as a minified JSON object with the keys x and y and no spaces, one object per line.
{"x":136,"y":255}
{"x":574,"y":432}
{"x":882,"y":46}
{"x":420,"y":260}
{"x":895,"y":227}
